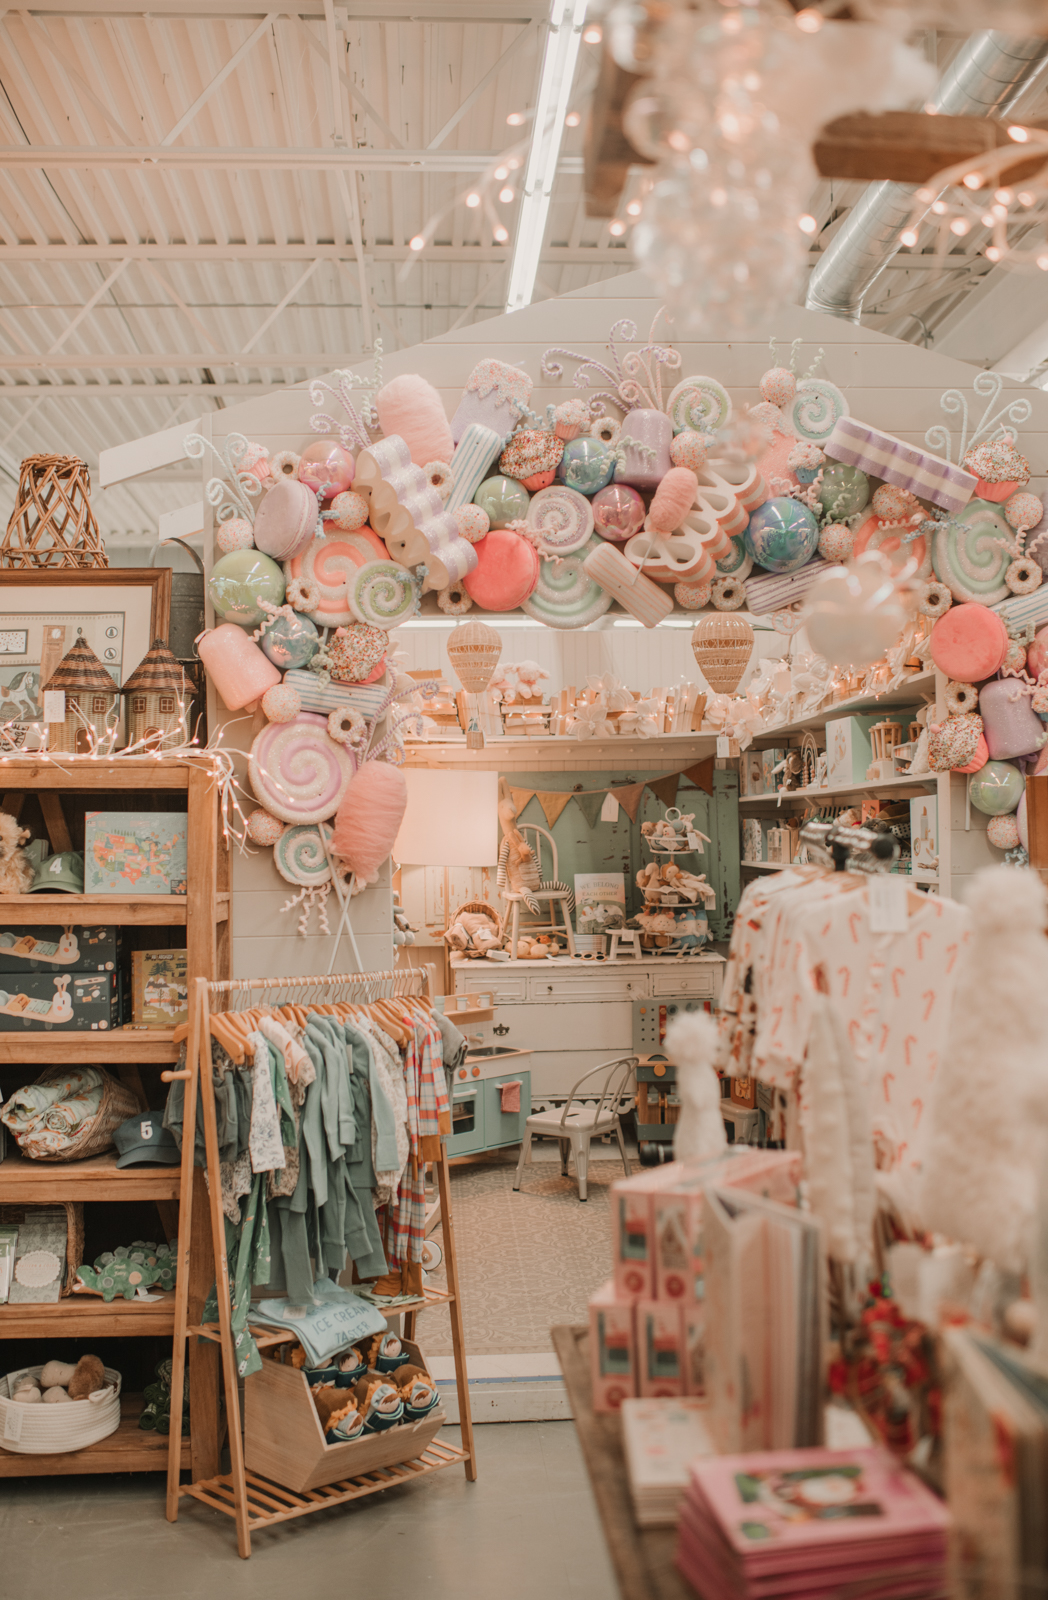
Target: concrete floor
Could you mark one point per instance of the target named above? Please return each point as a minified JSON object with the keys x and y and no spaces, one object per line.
{"x":526,"y":1530}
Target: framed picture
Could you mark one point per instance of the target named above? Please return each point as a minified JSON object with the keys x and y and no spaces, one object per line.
{"x":119,"y":611}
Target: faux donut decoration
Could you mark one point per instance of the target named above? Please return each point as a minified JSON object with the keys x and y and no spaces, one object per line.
{"x":346,"y":726}
{"x":438,"y":475}
{"x":563,"y":517}
{"x":960,"y":697}
{"x":297,"y":772}
{"x":933,"y":598}
{"x":728,"y":594}
{"x":693,"y":596}
{"x":300,"y":857}
{"x":606,"y":429}
{"x":285,"y":464}
{"x":331,"y":562}
{"x":1023,"y":576}
{"x":454,"y":601}
{"x":565,"y":595}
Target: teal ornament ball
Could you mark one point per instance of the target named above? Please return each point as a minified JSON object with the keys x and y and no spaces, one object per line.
{"x":997,"y":788}
{"x":843,"y":491}
{"x":290,"y":642}
{"x":586,"y":465}
{"x":239,"y":581}
{"x":504,"y":499}
{"x":781,"y":535}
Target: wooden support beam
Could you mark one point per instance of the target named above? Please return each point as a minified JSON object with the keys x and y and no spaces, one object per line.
{"x":912,"y":146}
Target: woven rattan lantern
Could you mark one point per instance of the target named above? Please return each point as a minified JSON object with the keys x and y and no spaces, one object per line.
{"x":721,"y":644}
{"x":474,"y":651}
{"x":52,"y":524}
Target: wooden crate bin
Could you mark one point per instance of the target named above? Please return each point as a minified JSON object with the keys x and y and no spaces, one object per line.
{"x":283,"y":1439}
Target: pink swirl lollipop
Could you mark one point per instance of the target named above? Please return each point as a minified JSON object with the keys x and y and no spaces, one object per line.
{"x":563,"y":517}
{"x":297,"y":772}
{"x":332,"y":562}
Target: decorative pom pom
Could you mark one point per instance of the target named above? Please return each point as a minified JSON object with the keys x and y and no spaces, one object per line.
{"x":688,"y":449}
{"x":837,"y":542}
{"x":893,"y":504}
{"x":351,"y":510}
{"x":768,"y":415}
{"x":410,"y":406}
{"x":1023,"y":511}
{"x":369,"y":818}
{"x":778,"y":386}
{"x":236,"y":534}
{"x":674,"y":498}
{"x":1003,"y":832}
{"x":473,"y":522}
{"x":282,"y":703}
{"x":263,"y":827}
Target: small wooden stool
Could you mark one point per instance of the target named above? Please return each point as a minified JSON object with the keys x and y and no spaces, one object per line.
{"x":627,"y":936}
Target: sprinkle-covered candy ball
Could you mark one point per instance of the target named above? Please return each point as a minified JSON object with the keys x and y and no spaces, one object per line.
{"x":1023,"y":510}
{"x":473,"y":522}
{"x":893,"y":504}
{"x":781,"y":535}
{"x":586,"y":465}
{"x":778,"y":386}
{"x":263,"y":827}
{"x":282,"y":703}
{"x":618,"y":511}
{"x":326,"y":468}
{"x":837,"y":542}
{"x":1003,"y":832}
{"x":844,"y":490}
{"x":504,"y":500}
{"x":351,"y":510}
{"x":688,"y":450}
{"x":236,"y":534}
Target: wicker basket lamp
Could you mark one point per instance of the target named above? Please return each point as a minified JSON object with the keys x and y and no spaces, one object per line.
{"x":474,"y":650}
{"x":52,"y":524}
{"x":721,"y":645}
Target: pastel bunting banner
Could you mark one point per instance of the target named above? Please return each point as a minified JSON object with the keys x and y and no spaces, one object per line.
{"x":665,"y":789}
{"x":629,"y":798}
{"x":553,"y":802}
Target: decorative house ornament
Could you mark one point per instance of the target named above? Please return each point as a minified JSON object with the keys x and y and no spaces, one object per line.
{"x":158,"y":695}
{"x":91,"y":699}
{"x":52,"y":524}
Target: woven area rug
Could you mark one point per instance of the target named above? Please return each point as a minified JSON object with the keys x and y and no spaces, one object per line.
{"x":526,"y":1260}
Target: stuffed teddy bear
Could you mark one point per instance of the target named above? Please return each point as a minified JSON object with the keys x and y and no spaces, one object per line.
{"x":16,"y":872}
{"x":473,"y":934}
{"x":518,"y":870}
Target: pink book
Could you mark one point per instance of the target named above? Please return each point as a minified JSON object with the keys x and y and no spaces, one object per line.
{"x":779,"y":1504}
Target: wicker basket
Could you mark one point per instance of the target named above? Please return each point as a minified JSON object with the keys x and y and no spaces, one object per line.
{"x":117,"y":1104}
{"x":74,"y":1210}
{"x":722,"y":645}
{"x":53,"y":1430}
{"x":485,"y":910}
{"x":52,"y":524}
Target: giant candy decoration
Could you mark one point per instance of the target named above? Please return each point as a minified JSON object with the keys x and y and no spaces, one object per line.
{"x":882,"y":455}
{"x":409,"y":515}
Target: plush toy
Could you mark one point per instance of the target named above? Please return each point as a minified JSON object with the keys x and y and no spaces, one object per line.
{"x":648,"y":877}
{"x":518,"y":870}
{"x":156,"y":1413}
{"x":691,"y":1041}
{"x":59,"y":1381}
{"x":16,"y":873}
{"x":473,"y":934}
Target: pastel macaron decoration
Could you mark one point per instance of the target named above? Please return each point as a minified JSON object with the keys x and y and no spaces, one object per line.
{"x":969,"y":643}
{"x":506,"y":573}
{"x":286,"y":521}
{"x":326,"y":467}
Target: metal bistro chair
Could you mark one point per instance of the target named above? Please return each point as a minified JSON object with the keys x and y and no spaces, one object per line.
{"x":574,"y":1130}
{"x":550,"y":890}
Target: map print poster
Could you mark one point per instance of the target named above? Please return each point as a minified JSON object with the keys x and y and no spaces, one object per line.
{"x":135,"y":852}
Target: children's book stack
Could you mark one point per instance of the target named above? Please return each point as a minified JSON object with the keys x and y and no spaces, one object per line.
{"x":811,"y":1524}
{"x":660,"y":1440}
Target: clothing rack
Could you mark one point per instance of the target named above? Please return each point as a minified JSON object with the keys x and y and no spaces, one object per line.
{"x":255,"y":1502}
{"x":843,"y":847}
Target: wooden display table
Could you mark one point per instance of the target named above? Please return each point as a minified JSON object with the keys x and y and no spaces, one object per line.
{"x":642,"y":1557}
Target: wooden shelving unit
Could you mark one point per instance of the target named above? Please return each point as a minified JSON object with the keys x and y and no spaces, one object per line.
{"x":204,"y":913}
{"x":886,"y":789}
{"x":564,"y":754}
{"x":919,"y":686}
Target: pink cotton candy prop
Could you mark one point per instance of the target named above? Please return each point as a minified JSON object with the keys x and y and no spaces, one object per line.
{"x":674,"y":498}
{"x":411,"y":407}
{"x":369,"y":817}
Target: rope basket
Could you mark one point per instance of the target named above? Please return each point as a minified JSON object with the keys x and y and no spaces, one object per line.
{"x":485,"y":910}
{"x":74,"y":1210}
{"x":117,"y":1104}
{"x":52,"y":524}
{"x":721,"y":646}
{"x":39,"y":1430}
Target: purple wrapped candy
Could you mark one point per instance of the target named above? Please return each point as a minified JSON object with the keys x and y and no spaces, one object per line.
{"x":618,"y":512}
{"x":1010,"y":724}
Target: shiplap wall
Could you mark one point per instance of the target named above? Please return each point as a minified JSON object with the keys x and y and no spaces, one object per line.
{"x":891,"y":385}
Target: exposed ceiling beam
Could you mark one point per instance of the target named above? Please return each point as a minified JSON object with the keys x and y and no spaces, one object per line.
{"x":243,"y":158}
{"x":326,"y":360}
{"x":471,"y":11}
{"x":219,"y":79}
{"x":132,"y":391}
{"x":451,"y":255}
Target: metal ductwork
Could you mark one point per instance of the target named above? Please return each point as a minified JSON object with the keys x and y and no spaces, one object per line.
{"x":989,"y":76}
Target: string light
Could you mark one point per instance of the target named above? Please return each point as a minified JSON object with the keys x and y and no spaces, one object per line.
{"x":992,"y":253}
{"x":1020,"y":134}
{"x":417,"y":243}
{"x":593,"y":34}
{"x":617,"y":228}
{"x":473,"y":200}
{"x":807,"y":223}
{"x":506,"y":195}
{"x":908,"y":237}
{"x":960,"y":226}
{"x":515,"y":119}
{"x":972,"y":180}
{"x":940,"y":208}
{"x":633,"y":209}
{"x":500,"y":234}
{"x":572,"y":119}
{"x":809,"y":20}
{"x":501,"y":174}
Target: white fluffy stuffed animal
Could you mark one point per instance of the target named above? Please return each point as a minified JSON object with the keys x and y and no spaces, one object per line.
{"x":691,"y":1042}
{"x":16,"y":873}
{"x":989,"y":1104}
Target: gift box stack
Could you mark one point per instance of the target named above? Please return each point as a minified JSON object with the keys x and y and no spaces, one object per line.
{"x":646,"y":1322}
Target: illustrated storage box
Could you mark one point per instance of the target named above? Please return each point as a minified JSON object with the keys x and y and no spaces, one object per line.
{"x":754,"y":843}
{"x":770,"y":759}
{"x":848,"y":750}
{"x":159,"y":988}
{"x":135,"y":852}
{"x":78,"y":1001}
{"x":924,"y":836}
{"x":662,"y":1356}
{"x":54,"y":949}
{"x":613,"y":1348}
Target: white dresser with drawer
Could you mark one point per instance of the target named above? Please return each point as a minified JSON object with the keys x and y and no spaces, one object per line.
{"x":574,"y":1014}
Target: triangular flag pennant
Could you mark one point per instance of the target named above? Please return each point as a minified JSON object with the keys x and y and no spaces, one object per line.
{"x":520,"y":800}
{"x":609,"y":811}
{"x":553,"y":802}
{"x":589,"y":805}
{"x":665,"y":788}
{"x":701,"y":774}
{"x":629,"y":798}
